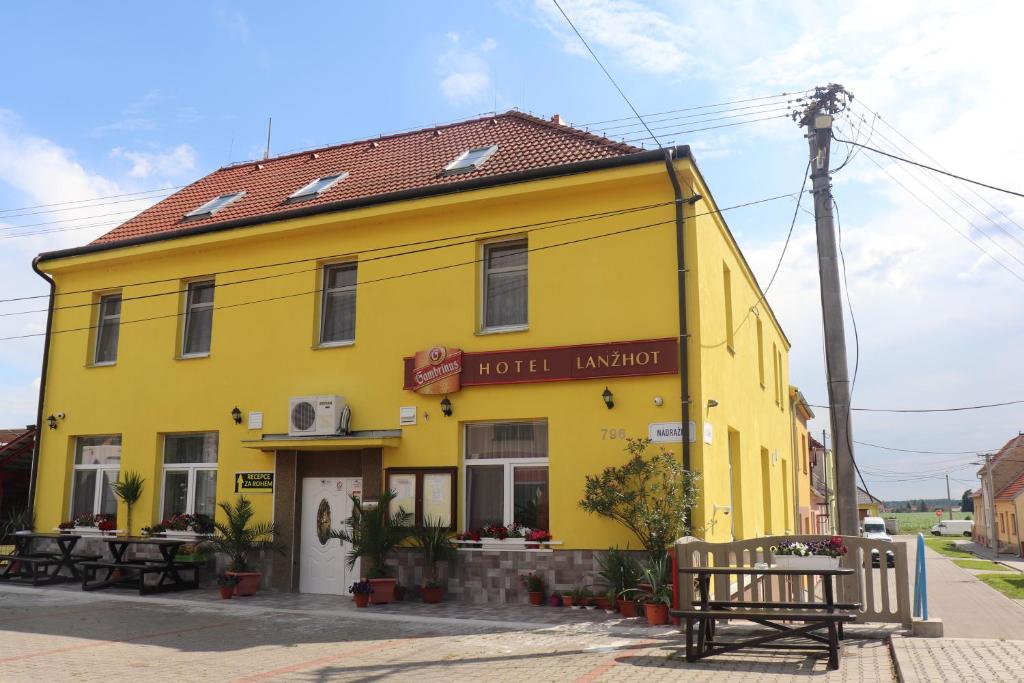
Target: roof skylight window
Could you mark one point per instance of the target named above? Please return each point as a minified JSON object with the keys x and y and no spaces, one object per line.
{"x":214,"y":205}
{"x":317,"y":187}
{"x":470,"y":160}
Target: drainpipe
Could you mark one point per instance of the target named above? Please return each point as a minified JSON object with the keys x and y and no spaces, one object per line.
{"x":34,"y":467}
{"x":794,"y":460}
{"x":684,"y":374}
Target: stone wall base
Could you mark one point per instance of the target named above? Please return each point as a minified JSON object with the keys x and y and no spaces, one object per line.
{"x":493,"y":576}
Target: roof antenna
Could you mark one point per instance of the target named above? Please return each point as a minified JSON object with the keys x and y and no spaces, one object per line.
{"x":270,"y":123}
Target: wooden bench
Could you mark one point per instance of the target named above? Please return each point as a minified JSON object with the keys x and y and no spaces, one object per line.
{"x":776,"y":616}
{"x":135,"y":571}
{"x":33,"y":562}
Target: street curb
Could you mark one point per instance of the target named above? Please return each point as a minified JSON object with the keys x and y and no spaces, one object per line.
{"x":896,"y":660}
{"x":367,"y":615}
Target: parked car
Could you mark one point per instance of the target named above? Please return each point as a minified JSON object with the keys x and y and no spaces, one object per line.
{"x":874,"y":527}
{"x":954,"y":527}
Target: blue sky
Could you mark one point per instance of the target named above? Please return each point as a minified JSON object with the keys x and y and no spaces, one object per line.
{"x":108,"y":99}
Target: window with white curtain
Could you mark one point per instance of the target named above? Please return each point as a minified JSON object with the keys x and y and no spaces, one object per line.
{"x":97,"y":463}
{"x":108,"y":323}
{"x":507,"y":474}
{"x":190,"y":474}
{"x":338,"y":312}
{"x":198,"y":318}
{"x":505,"y":285}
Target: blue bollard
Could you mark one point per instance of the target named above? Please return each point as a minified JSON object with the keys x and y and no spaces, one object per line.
{"x":920,"y":582}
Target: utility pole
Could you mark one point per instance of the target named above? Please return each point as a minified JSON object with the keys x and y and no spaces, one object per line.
{"x":949,"y":498}
{"x":817,"y":118}
{"x":990,"y":503}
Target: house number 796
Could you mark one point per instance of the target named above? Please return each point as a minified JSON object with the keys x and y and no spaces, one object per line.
{"x":613,"y":433}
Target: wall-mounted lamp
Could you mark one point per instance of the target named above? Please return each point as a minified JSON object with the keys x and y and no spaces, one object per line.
{"x":446,"y":407}
{"x":51,"y":422}
{"x":236,"y":415}
{"x":607,"y":396}
{"x":712,"y":403}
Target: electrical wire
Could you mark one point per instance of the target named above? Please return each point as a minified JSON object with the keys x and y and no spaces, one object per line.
{"x":905,"y":450}
{"x":929,"y":410}
{"x":402,"y":275}
{"x":703,"y":106}
{"x":724,"y":125}
{"x":80,"y":201}
{"x":586,"y":45}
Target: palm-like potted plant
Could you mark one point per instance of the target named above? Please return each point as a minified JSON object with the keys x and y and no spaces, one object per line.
{"x":374,"y":531}
{"x":240,"y":539}
{"x":433,"y":541}
{"x":658,"y":597}
{"x":621,"y":573}
{"x":128,"y":488}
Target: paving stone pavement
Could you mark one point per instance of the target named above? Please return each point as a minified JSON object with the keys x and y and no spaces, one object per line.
{"x":926,"y":660}
{"x":56,"y":634}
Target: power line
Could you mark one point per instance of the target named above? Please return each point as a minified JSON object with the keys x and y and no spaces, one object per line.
{"x":475,"y":236}
{"x":906,"y":450}
{"x":932,"y":168}
{"x":80,"y":201}
{"x":580,"y":36}
{"x":928,"y":410}
{"x":77,"y":208}
{"x":725,"y":125}
{"x":703,"y":106}
{"x":403,"y":275}
{"x":767,"y":108}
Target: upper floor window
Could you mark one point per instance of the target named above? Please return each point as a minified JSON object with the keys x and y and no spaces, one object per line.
{"x":338,"y":312}
{"x":317,"y":187}
{"x":190,"y":474}
{"x":198,"y":318}
{"x":97,"y":462}
{"x":214,"y":205}
{"x":108,"y":325}
{"x":760,"y":352}
{"x":470,"y":160}
{"x":505,"y":285}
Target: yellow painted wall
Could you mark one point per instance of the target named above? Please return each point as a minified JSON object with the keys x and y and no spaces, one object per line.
{"x":1006,"y":529}
{"x":611,"y":289}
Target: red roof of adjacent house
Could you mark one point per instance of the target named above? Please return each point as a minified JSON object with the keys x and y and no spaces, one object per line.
{"x":379,"y":166}
{"x":1011,"y":490}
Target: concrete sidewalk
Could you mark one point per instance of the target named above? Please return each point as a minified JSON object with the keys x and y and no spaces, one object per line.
{"x":968,"y":607}
{"x":1012,"y":561}
{"x":927,"y":660}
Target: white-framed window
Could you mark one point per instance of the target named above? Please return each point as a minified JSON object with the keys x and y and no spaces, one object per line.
{"x":470,"y":160}
{"x":214,"y":205}
{"x":97,"y":463}
{"x":189,"y":474}
{"x":108,"y":324}
{"x":505,"y":285}
{"x":338,"y":307}
{"x":317,"y":187}
{"x":506,"y":474}
{"x":198,"y":318}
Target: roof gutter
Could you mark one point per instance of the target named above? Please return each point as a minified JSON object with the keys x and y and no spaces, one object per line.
{"x":34,"y":466}
{"x":375,"y":200}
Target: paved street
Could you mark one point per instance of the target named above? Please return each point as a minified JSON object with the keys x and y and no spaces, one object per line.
{"x":63,"y":634}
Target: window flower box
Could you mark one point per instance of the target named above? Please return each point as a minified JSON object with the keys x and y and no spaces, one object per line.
{"x":805,"y":562}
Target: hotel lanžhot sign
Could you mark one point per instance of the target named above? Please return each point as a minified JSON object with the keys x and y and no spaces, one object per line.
{"x":442,"y":370}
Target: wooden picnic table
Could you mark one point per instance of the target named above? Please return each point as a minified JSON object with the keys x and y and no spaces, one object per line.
{"x":43,"y":567}
{"x":776,"y":616}
{"x":122,"y":570}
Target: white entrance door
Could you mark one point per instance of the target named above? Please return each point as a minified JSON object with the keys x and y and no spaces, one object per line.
{"x":326,"y":504}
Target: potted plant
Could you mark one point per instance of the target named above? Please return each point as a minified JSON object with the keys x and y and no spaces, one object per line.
{"x":239,"y":539}
{"x":534,"y":585}
{"x":128,"y":488}
{"x":155,"y":530}
{"x":815,"y":555}
{"x":610,"y":603}
{"x":226,"y":584}
{"x":567,"y":598}
{"x":554,"y":600}
{"x":472,"y":536}
{"x":66,"y":527}
{"x":361,"y":592}
{"x":621,"y":573}
{"x":374,"y":531}
{"x":434,"y":543}
{"x":580,"y":596}
{"x":106,"y":524}
{"x":658,"y":597}
{"x":536,"y":538}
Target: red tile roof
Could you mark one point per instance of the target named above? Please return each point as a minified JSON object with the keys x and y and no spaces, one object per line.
{"x":1011,"y":490}
{"x":380,"y":166}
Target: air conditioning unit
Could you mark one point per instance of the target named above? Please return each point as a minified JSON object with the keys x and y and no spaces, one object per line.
{"x":318,"y":416}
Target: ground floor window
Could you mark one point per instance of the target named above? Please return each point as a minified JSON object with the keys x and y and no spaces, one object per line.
{"x":190,"y":474}
{"x":507,"y":474}
{"x":97,"y":463}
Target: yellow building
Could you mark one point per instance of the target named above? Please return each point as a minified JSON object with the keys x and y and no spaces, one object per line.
{"x":805,"y":511}
{"x":867,"y":505}
{"x":439,"y":312}
{"x":1009,"y":508}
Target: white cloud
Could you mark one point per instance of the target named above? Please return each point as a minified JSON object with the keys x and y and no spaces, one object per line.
{"x":645,"y":38}
{"x":466,"y":77}
{"x":175,"y":162}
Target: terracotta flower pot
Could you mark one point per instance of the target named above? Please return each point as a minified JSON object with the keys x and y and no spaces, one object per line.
{"x":226,"y":592}
{"x":362,"y":599}
{"x":248,"y":582}
{"x":383,"y":590}
{"x":627,"y":608}
{"x":400,"y":593}
{"x":555,"y":600}
{"x":602,"y":603}
{"x":432,"y":594}
{"x":657,"y":613}
{"x":566,"y":601}
{"x":536,"y":597}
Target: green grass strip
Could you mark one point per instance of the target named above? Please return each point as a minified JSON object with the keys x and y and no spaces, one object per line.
{"x":984,"y":565}
{"x":947,"y":547}
{"x":1010,"y":585}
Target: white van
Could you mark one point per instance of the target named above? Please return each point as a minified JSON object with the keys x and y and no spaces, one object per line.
{"x":954,"y":527}
{"x":874,"y":527}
